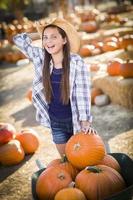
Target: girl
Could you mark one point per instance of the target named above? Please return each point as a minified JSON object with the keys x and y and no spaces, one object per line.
{"x":61,"y":93}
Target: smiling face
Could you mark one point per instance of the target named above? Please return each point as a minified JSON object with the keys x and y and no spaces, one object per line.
{"x":53,"y":41}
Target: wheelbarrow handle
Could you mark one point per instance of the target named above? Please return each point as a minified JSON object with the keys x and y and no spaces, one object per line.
{"x":39,"y":164}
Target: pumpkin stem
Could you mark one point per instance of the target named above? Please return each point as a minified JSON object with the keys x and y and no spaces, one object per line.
{"x":61,"y":176}
{"x":72,"y":184}
{"x":76,"y":146}
{"x":63,"y":159}
{"x":93,"y":169}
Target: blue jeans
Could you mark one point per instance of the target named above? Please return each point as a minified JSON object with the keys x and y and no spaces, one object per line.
{"x":62,"y":130}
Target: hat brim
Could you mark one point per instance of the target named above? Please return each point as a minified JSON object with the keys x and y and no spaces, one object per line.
{"x":69,"y":29}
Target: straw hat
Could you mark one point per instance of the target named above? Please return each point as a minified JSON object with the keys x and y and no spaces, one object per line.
{"x":69,"y":29}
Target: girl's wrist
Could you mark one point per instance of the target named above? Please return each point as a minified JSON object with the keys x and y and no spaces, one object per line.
{"x":87,"y":128}
{"x":85,"y":123}
{"x":34,"y":36}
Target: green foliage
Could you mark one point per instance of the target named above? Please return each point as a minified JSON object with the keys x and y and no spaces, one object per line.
{"x":12,"y":5}
{"x":4,"y":4}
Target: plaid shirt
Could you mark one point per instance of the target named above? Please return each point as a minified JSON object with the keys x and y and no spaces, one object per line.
{"x":79,"y":84}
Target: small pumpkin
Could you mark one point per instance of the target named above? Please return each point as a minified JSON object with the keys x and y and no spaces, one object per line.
{"x":96,"y":51}
{"x":85,"y":51}
{"x":110,"y":46}
{"x":113,"y":68}
{"x":87,"y":16}
{"x":11,"y":153}
{"x":99,"y":182}
{"x":29,"y":140}
{"x":125,"y":41}
{"x":89,"y":27}
{"x":15,"y":56}
{"x":7,"y":132}
{"x":51,"y":181}
{"x":110,"y":161}
{"x":63,"y":163}
{"x":70,"y":194}
{"x":85,"y":149}
{"x":29,"y":95}
{"x":94,"y":67}
{"x":111,"y":39}
{"x":97,"y":44}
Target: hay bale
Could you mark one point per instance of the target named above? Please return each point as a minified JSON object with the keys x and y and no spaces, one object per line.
{"x":122,"y":143}
{"x":119,"y":90}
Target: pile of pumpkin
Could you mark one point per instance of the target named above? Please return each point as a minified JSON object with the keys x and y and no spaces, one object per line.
{"x":85,"y":172}
{"x":17,"y":26}
{"x":118,"y":67}
{"x":9,"y":52}
{"x":111,"y":43}
{"x":93,"y":19}
{"x":14,"y":146}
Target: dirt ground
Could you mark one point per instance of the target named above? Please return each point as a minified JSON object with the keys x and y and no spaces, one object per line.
{"x":15,"y":181}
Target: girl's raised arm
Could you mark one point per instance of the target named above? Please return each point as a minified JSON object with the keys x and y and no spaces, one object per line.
{"x":24,"y":42}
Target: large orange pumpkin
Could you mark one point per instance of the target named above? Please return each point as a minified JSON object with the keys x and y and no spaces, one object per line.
{"x":11,"y":153}
{"x":110,"y":161}
{"x":7,"y":132}
{"x":99,"y":182}
{"x":85,"y":149}
{"x":29,"y":140}
{"x":63,"y":163}
{"x":51,"y":181}
{"x":70,"y":194}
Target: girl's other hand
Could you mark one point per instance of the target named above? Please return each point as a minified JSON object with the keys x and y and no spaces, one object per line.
{"x":87,"y":128}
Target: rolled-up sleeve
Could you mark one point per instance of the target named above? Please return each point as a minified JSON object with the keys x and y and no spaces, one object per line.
{"x":23,"y":42}
{"x":83,"y":98}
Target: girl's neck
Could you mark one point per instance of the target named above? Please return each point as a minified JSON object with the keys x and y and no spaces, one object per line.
{"x":58,"y":65}
{"x":57,"y":60}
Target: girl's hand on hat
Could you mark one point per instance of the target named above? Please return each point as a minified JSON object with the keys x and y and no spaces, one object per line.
{"x":87,"y":128}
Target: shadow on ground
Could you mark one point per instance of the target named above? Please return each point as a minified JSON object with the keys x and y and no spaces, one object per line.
{"x":26,"y":115}
{"x":16,"y":93}
{"x":7,"y":171}
{"x":10,"y":68}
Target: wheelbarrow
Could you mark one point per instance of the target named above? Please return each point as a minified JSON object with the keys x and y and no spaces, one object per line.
{"x":126,"y":164}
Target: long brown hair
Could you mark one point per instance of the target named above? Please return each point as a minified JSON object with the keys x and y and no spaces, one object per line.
{"x":65,"y":89}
